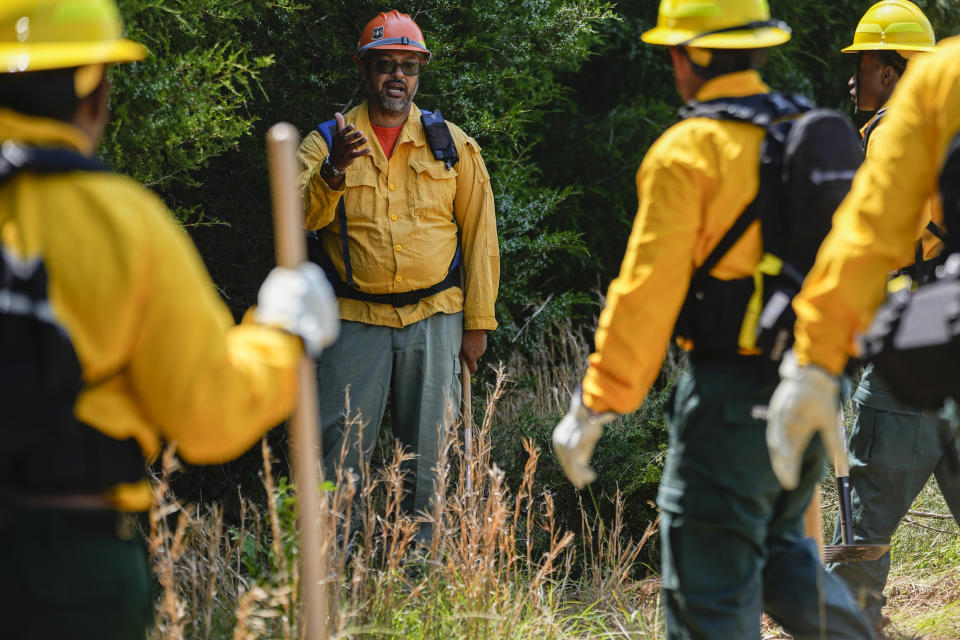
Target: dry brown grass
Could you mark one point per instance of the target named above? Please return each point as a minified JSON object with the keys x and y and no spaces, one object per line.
{"x":498,"y":566}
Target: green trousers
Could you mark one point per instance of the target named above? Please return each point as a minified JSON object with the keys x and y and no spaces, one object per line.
{"x":732,"y":540}
{"x":73,"y":574}
{"x":418,"y":368}
{"x":894,"y":449}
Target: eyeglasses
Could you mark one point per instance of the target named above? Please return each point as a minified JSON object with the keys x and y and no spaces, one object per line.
{"x":388,"y":67}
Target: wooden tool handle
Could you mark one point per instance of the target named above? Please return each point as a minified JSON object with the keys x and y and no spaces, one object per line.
{"x":813,"y":520}
{"x":841,"y":463}
{"x":282,"y":142}
{"x":467,"y":423}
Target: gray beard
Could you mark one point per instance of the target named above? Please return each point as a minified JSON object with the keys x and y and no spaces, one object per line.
{"x":388,"y":104}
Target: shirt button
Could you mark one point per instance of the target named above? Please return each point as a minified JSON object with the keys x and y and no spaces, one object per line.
{"x":398,"y":278}
{"x":398,"y":247}
{"x":392,"y":187}
{"x":393,"y":216}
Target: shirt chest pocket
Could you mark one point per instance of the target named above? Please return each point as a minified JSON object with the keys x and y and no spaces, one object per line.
{"x":361,"y":194}
{"x":434,"y":188}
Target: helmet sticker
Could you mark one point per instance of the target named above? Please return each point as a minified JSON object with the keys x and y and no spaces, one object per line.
{"x":377,"y":33}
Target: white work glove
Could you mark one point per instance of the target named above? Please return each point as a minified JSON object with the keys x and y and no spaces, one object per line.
{"x":574,"y":439}
{"x":302,"y":302}
{"x":807,"y":400}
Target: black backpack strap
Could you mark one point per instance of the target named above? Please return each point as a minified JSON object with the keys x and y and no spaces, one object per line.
{"x":869,"y":131}
{"x":15,"y":159}
{"x":751,"y":214}
{"x":327,"y":130}
{"x":923,"y":269}
{"x":938,"y":233}
{"x":762,"y":110}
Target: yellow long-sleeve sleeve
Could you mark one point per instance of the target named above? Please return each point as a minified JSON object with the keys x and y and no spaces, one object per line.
{"x":694,"y":182}
{"x":160,"y":357}
{"x":877,"y":223}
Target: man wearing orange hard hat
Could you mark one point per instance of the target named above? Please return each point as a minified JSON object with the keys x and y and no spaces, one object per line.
{"x":893,"y":447}
{"x":112,"y":338}
{"x":402,"y":213}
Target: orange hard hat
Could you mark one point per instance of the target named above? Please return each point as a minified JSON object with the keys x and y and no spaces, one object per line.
{"x":392,"y":30}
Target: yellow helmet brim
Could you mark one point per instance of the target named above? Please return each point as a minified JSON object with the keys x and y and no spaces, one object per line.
{"x":747,"y":39}
{"x":887,"y":46}
{"x":17,"y":58}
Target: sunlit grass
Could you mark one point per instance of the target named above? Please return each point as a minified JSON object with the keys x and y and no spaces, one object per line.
{"x":500,"y":568}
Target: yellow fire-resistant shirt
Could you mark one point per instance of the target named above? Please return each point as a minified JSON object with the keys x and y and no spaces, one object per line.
{"x":694,"y":182}
{"x":932,"y":209}
{"x":402,"y":219}
{"x":877,"y":223}
{"x":160,"y":355}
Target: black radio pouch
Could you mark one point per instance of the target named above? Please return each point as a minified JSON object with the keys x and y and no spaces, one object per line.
{"x":914,"y":341}
{"x":438,"y":138}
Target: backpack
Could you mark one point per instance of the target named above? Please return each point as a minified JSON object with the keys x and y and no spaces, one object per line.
{"x":807,"y":162}
{"x":441,"y":144}
{"x":43,"y":447}
{"x":914,"y":339}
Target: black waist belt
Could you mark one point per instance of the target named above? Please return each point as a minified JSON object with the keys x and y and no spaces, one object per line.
{"x":759,"y":364}
{"x":343,"y":290}
{"x":66,"y":523}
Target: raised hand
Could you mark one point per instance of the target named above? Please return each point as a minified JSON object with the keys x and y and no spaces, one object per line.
{"x":347,"y":145}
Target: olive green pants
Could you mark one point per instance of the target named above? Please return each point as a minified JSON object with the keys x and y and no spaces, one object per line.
{"x":73,"y":574}
{"x":732,"y":540}
{"x":418,"y":368}
{"x":894,"y":449}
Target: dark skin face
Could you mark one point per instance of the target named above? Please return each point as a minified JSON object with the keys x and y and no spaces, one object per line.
{"x":876,"y":83}
{"x":688,"y":82}
{"x":93,"y":112}
{"x":389,"y":95}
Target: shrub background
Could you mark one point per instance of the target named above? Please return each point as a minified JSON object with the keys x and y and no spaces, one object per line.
{"x":562,"y":96}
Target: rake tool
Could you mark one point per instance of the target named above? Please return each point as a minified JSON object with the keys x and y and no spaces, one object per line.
{"x":847,"y":551}
{"x":282,"y":140}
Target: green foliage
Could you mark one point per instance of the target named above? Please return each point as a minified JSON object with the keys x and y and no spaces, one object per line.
{"x":189,"y":121}
{"x":563,"y":96}
{"x":628,"y":460}
{"x":623,"y":98}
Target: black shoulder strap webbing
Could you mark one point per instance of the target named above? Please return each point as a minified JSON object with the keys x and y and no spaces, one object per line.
{"x":762,"y":109}
{"x":939,"y":233}
{"x":15,"y":159}
{"x":765,"y":111}
{"x":922,"y":268}
{"x":869,"y":131}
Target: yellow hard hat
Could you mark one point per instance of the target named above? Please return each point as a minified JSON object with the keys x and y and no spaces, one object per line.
{"x":38,"y":35}
{"x":717,"y":24}
{"x":893,"y":25}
